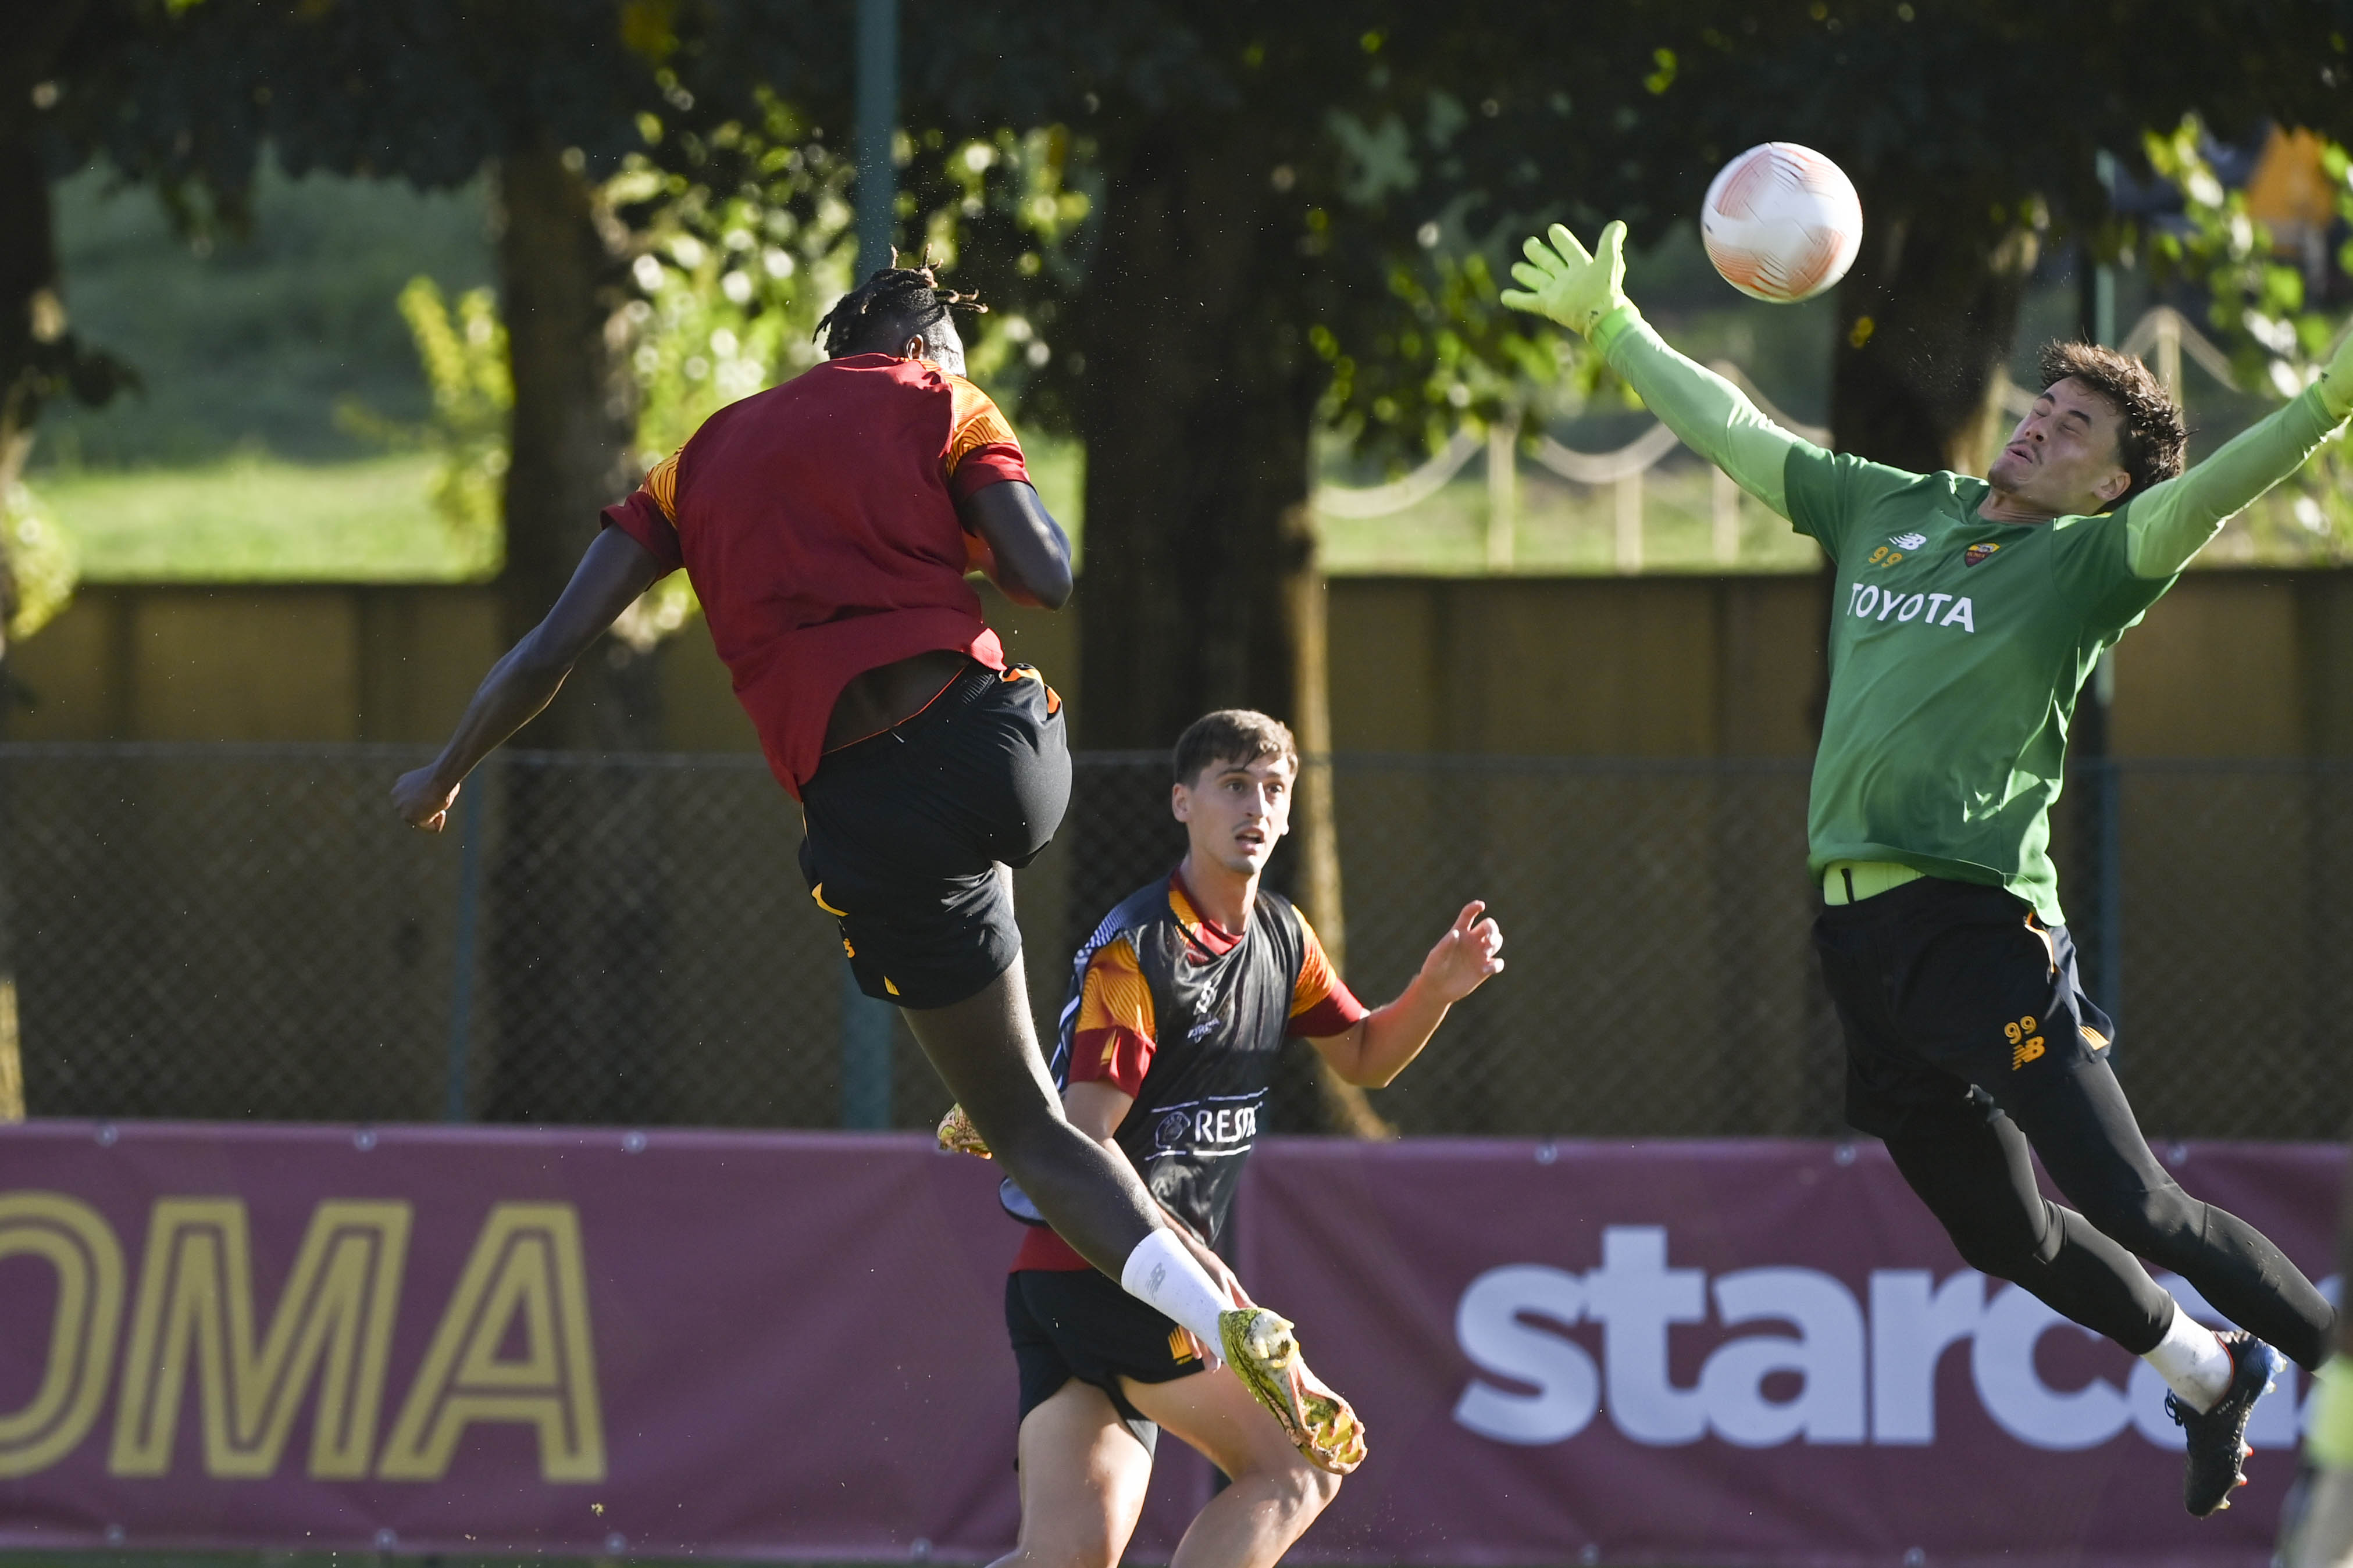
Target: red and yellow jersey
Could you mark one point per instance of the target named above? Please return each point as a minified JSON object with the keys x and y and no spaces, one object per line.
{"x":818,"y":521}
{"x":1188,"y":1019}
{"x":1117,"y":1034}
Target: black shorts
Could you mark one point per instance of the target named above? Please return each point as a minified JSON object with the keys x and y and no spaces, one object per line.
{"x":1951,"y":995}
{"x":906,"y":830}
{"x":1079,"y":1323}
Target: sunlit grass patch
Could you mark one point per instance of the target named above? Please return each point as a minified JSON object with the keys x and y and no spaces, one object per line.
{"x":255,"y":519}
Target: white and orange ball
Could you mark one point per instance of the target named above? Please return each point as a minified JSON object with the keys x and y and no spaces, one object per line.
{"x":1781,"y":221}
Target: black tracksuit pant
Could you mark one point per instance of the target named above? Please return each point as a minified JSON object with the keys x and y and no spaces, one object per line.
{"x":1968,"y":1040}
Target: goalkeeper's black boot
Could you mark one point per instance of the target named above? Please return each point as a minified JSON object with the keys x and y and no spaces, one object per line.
{"x":2218,"y":1439}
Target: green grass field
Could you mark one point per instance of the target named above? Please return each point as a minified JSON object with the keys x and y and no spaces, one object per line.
{"x":257,"y":518}
{"x":263,"y":520}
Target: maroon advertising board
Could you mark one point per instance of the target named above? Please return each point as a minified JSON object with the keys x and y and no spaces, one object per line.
{"x":778,"y":1345}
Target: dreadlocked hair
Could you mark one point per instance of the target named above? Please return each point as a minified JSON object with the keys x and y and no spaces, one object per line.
{"x":893,"y":294}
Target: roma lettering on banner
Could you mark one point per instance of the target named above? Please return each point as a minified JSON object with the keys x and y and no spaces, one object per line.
{"x":526,"y":1266}
{"x":195,"y":1312}
{"x":74,"y":1240}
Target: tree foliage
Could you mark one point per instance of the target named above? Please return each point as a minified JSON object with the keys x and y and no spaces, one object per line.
{"x":2258,"y":305}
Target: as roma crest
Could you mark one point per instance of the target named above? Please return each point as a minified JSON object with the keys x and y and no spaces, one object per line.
{"x":1976,"y":552}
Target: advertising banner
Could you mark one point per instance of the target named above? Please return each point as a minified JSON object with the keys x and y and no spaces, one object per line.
{"x":745,"y":1345}
{"x":1755,"y":1353}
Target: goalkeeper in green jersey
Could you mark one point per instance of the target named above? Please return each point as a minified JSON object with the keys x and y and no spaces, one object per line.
{"x":1968,"y":613}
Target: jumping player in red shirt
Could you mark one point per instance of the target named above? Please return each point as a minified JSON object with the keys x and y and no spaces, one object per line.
{"x":826,"y":525}
{"x":1179,"y":1006}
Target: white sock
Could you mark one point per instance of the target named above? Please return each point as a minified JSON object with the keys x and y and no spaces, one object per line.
{"x":1161,"y":1273}
{"x":2192,"y":1361}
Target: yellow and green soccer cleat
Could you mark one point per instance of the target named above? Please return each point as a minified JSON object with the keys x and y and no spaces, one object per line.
{"x":957,"y":1135}
{"x":1264,"y":1353}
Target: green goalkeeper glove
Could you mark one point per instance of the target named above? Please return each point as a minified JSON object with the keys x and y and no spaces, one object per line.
{"x":1576,"y":289}
{"x":2336,"y":380}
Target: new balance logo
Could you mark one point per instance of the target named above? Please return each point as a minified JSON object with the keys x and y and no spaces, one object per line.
{"x":1908,"y":540}
{"x":2025,"y":1045}
{"x":1868,"y":601}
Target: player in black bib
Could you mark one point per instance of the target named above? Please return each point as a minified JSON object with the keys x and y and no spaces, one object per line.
{"x":1180,"y":1003}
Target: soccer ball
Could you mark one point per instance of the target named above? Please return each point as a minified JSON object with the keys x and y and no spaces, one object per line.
{"x":1781,"y":221}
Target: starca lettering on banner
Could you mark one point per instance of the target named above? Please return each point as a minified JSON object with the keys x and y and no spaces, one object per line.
{"x":195,"y":1316}
{"x":1860,"y":1378}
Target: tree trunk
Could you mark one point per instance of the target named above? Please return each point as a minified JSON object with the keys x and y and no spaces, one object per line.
{"x":1195,"y":416}
{"x":1200,"y":391}
{"x":1202,"y":589}
{"x":30,"y":315}
{"x":576,"y":895}
{"x":562,"y":269}
{"x":1926,"y":320}
{"x":1316,"y":827}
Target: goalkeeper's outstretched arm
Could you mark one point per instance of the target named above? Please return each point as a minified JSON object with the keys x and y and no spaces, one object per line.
{"x":1708,"y":414}
{"x":2172,"y":520}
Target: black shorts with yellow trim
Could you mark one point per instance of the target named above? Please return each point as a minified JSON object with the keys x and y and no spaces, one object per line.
{"x":1951,"y":995}
{"x":907,"y":831}
{"x":1078,"y":1324}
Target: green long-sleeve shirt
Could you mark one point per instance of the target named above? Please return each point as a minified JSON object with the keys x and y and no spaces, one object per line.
{"x":1958,"y":644}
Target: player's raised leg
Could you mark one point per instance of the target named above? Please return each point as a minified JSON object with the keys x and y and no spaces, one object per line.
{"x":1980,"y":1187}
{"x":2092,"y":1146}
{"x":911,"y":837}
{"x":985,"y":1049}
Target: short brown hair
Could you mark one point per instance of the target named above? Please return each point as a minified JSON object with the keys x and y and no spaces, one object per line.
{"x":2151,"y":442}
{"x":1236,"y":735}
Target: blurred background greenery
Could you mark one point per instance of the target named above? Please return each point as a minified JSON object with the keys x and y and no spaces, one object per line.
{"x":284,"y":430}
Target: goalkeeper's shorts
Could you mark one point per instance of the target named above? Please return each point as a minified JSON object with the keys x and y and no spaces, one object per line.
{"x":1944,"y":988}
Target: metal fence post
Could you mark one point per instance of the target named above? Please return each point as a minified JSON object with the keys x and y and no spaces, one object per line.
{"x":462,"y":958}
{"x":2110,"y":977}
{"x":2096,"y":304}
{"x":867,"y":1030}
{"x":877,"y":116}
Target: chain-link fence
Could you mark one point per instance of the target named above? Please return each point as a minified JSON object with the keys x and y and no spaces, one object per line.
{"x":246,"y":932}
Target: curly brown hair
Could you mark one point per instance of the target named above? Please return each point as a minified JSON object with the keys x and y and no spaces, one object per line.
{"x":2151,"y":441}
{"x":1239,"y":736}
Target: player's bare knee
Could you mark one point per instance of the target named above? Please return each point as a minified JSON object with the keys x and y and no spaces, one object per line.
{"x":1096,"y":1552}
{"x":1299,"y":1488}
{"x":1064,"y":1550}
